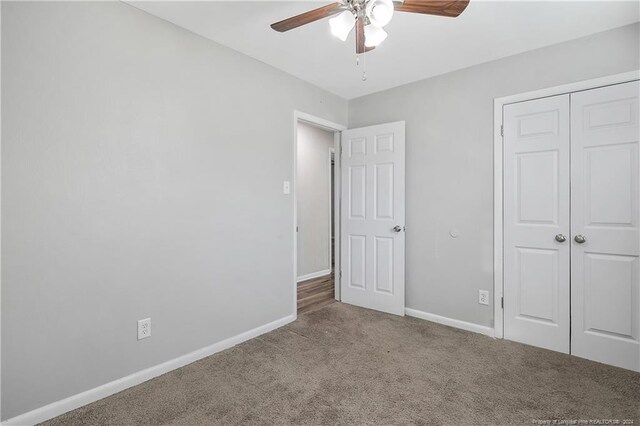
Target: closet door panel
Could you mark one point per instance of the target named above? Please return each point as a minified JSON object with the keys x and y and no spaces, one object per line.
{"x":605,"y":193}
{"x":536,"y":215}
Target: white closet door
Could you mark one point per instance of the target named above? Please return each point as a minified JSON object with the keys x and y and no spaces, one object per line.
{"x":605,"y":280}
{"x":536,"y":219}
{"x":372,"y":237}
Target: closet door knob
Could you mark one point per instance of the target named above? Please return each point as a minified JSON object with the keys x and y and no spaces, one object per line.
{"x":580,"y":239}
{"x":561,"y":238}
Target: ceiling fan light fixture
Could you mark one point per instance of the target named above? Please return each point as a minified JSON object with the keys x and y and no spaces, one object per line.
{"x":379,"y":12}
{"x":342,"y":24}
{"x":373,"y":35}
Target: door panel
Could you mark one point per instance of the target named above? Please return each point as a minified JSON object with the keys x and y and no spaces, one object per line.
{"x":383,"y":278}
{"x":384,"y":191}
{"x":536,"y":209}
{"x":605,"y":286}
{"x":357,"y":261}
{"x":373,"y":253}
{"x":537,"y":187}
{"x":608,"y":285}
{"x":357,"y":193}
{"x":608,"y":170}
{"x":537,"y":284}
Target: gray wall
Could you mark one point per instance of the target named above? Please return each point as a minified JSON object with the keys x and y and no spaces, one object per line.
{"x":314,"y":198}
{"x":449,"y":169}
{"x":142,"y":171}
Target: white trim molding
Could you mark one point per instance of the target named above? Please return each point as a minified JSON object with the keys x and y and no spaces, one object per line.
{"x":0,"y":199}
{"x":337,"y":188}
{"x":76,"y":401}
{"x":463,"y":325}
{"x":498,"y":104}
{"x":331,"y":186}
{"x":314,"y":275}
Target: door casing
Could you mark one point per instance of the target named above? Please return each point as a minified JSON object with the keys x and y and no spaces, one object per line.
{"x":498,"y":163}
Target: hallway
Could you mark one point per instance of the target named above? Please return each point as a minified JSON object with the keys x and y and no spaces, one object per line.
{"x":315,"y":293}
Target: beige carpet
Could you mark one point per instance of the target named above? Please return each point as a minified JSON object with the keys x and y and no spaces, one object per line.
{"x":346,"y":365}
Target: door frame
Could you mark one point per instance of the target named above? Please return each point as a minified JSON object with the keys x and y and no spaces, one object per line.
{"x":498,"y":164}
{"x":332,"y":203}
{"x":336,"y":128}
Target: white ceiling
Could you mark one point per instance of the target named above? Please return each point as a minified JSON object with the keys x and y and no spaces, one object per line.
{"x":418,"y":46}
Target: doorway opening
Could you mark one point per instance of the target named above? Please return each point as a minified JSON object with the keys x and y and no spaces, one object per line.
{"x":316,"y":218}
{"x":315,"y":230}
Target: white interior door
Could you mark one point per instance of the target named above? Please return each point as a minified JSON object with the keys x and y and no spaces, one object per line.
{"x":372,"y":237}
{"x":605,"y":279}
{"x":536,"y":222}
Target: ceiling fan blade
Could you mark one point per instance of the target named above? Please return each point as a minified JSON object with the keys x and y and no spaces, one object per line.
{"x":360,"y":48}
{"x":451,"y":8}
{"x":307,"y":17}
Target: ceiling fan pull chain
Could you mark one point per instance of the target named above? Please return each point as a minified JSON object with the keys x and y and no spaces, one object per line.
{"x":364,"y":67}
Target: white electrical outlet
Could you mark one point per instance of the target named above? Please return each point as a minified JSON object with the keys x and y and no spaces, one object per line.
{"x":286,"y":187}
{"x":483,"y":297}
{"x":144,"y":328}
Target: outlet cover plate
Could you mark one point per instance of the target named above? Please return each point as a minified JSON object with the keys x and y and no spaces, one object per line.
{"x":144,"y":328}
{"x":483,"y":297}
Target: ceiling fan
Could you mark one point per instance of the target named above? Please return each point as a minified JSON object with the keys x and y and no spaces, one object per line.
{"x":369,"y":17}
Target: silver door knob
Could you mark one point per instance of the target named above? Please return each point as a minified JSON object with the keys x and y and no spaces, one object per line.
{"x":580,"y":239}
{"x":397,"y":228}
{"x":561,"y":238}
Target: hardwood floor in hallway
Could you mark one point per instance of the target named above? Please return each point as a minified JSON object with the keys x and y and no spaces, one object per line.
{"x":315,"y":293}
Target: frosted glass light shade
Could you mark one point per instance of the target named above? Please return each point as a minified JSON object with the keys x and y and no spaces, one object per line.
{"x":373,"y":35}
{"x":379,"y":12}
{"x":342,"y":24}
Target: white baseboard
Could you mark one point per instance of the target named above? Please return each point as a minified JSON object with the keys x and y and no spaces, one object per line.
{"x":76,"y":401}
{"x":468,"y":326}
{"x":314,"y":275}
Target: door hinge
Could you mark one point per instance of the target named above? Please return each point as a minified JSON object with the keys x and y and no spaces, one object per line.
{"x":341,"y":274}
{"x":501,"y":130}
{"x":502,"y":302}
